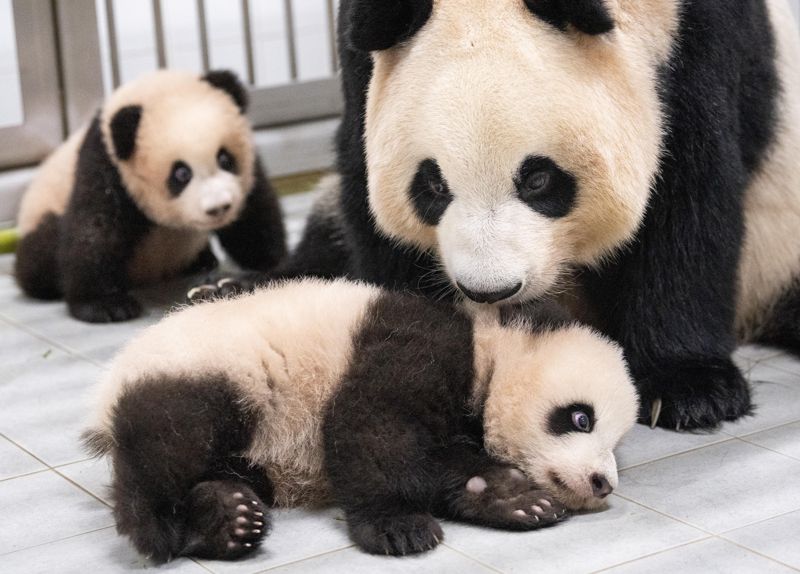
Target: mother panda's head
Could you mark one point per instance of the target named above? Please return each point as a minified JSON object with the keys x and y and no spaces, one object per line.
{"x":516,"y":139}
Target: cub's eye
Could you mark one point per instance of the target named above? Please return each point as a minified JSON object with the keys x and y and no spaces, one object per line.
{"x":179,"y":178}
{"x":226,"y":161}
{"x":581,"y":421}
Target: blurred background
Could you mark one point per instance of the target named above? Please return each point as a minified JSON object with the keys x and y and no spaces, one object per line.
{"x":59,"y":58}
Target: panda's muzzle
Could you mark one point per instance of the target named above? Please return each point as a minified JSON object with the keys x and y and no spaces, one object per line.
{"x":490,"y":296}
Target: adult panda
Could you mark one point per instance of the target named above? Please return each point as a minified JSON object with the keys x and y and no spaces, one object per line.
{"x":133,"y":198}
{"x":395,"y":407}
{"x":640,"y":154}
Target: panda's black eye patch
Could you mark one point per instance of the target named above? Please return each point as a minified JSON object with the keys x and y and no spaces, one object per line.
{"x":180,"y":176}
{"x":429,"y":192}
{"x":545,"y":187}
{"x":577,"y":417}
{"x":226,"y":161}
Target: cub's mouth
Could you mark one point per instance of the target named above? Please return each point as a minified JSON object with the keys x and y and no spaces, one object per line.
{"x":580,"y":498}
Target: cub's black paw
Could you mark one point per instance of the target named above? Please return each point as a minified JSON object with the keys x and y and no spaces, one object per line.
{"x":109,"y":309}
{"x":503,"y":497}
{"x":226,"y":287}
{"x":226,"y":520}
{"x":395,"y":535}
{"x":692,"y":395}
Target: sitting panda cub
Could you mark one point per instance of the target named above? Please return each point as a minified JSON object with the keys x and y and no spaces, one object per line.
{"x":133,"y":197}
{"x":394,"y":407}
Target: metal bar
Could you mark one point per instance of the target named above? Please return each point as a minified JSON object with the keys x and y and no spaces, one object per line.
{"x":81,"y":60}
{"x":202,"y":26}
{"x":297,"y":102}
{"x":37,"y":56}
{"x":248,"y":43}
{"x":332,"y":36}
{"x":158,"y":24}
{"x":290,"y":38}
{"x":113,"y":45}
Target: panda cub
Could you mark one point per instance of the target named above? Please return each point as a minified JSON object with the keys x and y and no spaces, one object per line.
{"x":132,"y":198}
{"x":394,"y":407}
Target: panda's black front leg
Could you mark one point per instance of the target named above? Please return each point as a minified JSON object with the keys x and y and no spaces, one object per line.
{"x":257,"y":239}
{"x":670,"y":298}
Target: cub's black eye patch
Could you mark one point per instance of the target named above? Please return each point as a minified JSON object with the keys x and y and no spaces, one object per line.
{"x":180,"y":176}
{"x":545,"y":187}
{"x":588,"y":16}
{"x":430,"y":193}
{"x":226,"y":161}
{"x":577,"y":417}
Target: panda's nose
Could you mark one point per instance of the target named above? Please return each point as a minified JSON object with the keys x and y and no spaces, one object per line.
{"x":219,"y":210}
{"x":600,"y":485}
{"x":490,"y":296}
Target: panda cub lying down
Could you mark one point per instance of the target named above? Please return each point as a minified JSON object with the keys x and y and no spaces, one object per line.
{"x":395,"y":408}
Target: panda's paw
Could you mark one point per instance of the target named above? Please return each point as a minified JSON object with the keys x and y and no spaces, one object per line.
{"x":503,"y":497}
{"x":227,"y":520}
{"x":109,"y":309}
{"x":223,"y":287}
{"x":395,"y":535}
{"x":693,"y":396}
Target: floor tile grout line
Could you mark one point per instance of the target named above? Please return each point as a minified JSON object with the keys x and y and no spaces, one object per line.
{"x":15,"y":443}
{"x":744,"y":440}
{"x":728,"y":438}
{"x":759,"y":521}
{"x":299,"y":560}
{"x":472,"y":558}
{"x":651,"y":554}
{"x":42,"y":337}
{"x":662,"y":513}
{"x":57,"y":540}
{"x":25,"y":474}
{"x":757,"y":553}
{"x":83,"y":488}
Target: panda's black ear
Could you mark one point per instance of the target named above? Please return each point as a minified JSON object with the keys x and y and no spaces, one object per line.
{"x":373,"y":25}
{"x":588,"y":16}
{"x":124,"y":127}
{"x":229,"y":83}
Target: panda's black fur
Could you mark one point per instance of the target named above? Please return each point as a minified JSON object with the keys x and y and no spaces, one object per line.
{"x":670,"y":296}
{"x":82,"y":255}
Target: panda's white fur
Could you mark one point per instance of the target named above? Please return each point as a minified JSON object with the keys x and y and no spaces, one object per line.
{"x":771,"y":254}
{"x":604,"y":127}
{"x":286,"y":349}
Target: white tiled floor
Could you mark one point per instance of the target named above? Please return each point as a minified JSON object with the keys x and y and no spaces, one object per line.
{"x":725,"y":502}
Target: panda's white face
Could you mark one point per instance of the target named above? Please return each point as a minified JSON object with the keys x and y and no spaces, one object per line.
{"x":193,"y":163}
{"x":558,"y":403}
{"x":511,"y":149}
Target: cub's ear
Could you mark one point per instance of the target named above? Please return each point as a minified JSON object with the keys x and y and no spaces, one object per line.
{"x":229,"y":83}
{"x":372,"y":25}
{"x":124,"y":127}
{"x":588,"y":16}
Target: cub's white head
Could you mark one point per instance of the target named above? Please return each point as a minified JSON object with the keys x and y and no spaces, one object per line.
{"x":556,"y":404}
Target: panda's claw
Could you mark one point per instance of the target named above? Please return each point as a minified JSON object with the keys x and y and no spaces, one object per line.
{"x":655,"y":412}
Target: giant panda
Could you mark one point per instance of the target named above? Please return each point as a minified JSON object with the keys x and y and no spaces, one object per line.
{"x":133,"y":197}
{"x":639,"y":157}
{"x":393,"y":406}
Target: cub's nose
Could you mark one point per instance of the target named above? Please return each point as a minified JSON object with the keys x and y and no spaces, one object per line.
{"x":600,"y":485}
{"x":490,"y":296}
{"x":218,"y":210}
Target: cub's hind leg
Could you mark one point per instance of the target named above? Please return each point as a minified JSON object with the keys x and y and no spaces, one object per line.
{"x":180,"y":485}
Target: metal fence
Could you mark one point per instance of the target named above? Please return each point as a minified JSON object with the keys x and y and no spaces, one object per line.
{"x":64,"y":56}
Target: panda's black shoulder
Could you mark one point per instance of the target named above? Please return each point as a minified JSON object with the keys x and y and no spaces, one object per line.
{"x":714,"y":65}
